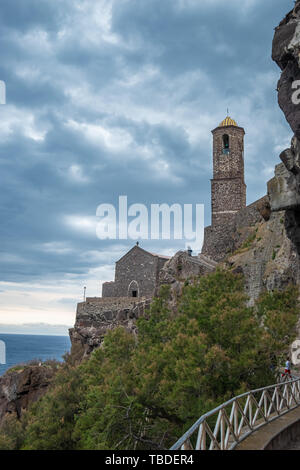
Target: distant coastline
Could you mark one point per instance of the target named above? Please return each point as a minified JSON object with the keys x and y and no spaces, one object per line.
{"x":34,"y":329}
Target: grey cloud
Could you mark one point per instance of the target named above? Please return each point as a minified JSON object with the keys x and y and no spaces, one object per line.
{"x":202,"y":60}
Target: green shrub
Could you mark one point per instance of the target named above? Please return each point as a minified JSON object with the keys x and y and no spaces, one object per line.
{"x":143,"y":393}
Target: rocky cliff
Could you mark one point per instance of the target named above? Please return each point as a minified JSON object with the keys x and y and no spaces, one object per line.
{"x":271,"y":258}
{"x":284,"y":189}
{"x":268,"y":258}
{"x":286,"y":53}
{"x":264,"y":244}
{"x":22,"y":386}
{"x":96,"y":316}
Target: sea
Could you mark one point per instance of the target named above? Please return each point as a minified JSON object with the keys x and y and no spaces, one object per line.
{"x":20,"y":349}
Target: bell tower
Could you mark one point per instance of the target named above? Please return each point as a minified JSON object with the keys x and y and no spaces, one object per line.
{"x":228,"y":188}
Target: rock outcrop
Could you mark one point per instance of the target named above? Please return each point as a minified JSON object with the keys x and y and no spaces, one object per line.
{"x":98,"y":315}
{"x":271,"y":257}
{"x":181,"y":268}
{"x":22,"y":386}
{"x":268,"y":259}
{"x":284,"y":189}
{"x":286,"y":53}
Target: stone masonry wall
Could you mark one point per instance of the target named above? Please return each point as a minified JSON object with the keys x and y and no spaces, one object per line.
{"x":109,"y":289}
{"x":228,"y":189}
{"x":96,"y":316}
{"x":218,"y":243}
{"x":222,"y":240}
{"x":137,"y":270}
{"x":228,"y":165}
{"x":137,"y":266}
{"x":97,"y":310}
{"x":228,"y":197}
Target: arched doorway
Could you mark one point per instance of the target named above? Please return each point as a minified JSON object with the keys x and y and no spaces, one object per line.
{"x":133,"y":289}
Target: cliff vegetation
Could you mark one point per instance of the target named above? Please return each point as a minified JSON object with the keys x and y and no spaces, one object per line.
{"x":144,"y":391}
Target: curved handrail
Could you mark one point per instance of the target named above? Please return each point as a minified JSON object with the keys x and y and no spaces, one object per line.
{"x":261,"y":406}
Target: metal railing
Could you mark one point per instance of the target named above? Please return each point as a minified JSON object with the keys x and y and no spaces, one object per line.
{"x":230,"y":423}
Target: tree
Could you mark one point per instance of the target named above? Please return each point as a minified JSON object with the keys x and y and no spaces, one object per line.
{"x":144,"y":392}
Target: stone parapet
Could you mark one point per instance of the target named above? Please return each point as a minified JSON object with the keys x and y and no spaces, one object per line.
{"x":98,"y":309}
{"x":96,"y":316}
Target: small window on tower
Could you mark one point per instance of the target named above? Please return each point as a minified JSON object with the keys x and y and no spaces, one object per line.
{"x":134,"y":293}
{"x":226,"y":149}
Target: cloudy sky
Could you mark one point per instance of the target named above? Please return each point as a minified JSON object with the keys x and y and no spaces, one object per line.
{"x":118,"y":97}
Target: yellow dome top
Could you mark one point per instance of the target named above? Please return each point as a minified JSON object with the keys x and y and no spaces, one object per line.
{"x":228,"y":122}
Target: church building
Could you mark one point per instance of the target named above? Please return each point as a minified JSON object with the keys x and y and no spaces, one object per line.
{"x":136,"y":274}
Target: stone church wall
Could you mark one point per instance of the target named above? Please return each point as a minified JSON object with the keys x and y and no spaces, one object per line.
{"x":137,"y":271}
